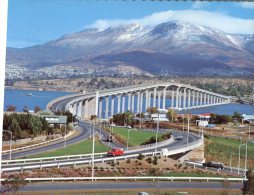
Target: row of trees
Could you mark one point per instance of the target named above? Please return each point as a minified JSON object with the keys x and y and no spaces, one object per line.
{"x":127,"y":118}
{"x":24,"y":125}
{"x":12,"y":108}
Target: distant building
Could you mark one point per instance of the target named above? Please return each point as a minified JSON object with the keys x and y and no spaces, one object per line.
{"x":55,"y":121}
{"x":161,"y":115}
{"x":248,"y":118}
{"x":203,"y":120}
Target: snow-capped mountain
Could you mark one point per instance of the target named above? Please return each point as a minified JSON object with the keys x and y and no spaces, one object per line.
{"x":172,"y":47}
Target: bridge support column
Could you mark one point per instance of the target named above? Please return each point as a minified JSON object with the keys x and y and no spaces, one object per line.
{"x":123,"y":103}
{"x":193,"y":98}
{"x":119,"y":103}
{"x":180,"y":99}
{"x":129,"y":101}
{"x":147,"y":97}
{"x":184,"y":98}
{"x":100,"y":108}
{"x":208,"y":99}
{"x":164,"y":98}
{"x":197,"y":100}
{"x":132,"y":102}
{"x":141,"y":102}
{"x":138,"y":102}
{"x":106,"y":109}
{"x":159,"y":100}
{"x":172,"y":98}
{"x":177,"y":98}
{"x":154,"y":97}
{"x":74,"y":107}
{"x":201,"y":99}
{"x":79,"y":108}
{"x":112,"y":105}
{"x":189,"y":98}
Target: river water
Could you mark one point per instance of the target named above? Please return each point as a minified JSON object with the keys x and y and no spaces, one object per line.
{"x":21,"y":98}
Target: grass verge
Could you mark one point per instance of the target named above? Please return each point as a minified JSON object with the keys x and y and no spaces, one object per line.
{"x":84,"y":147}
{"x":135,"y":137}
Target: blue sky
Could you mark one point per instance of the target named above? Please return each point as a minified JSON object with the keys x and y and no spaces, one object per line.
{"x":32,"y":22}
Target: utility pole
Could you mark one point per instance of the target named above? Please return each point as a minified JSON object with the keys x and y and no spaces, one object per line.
{"x":93,"y":155}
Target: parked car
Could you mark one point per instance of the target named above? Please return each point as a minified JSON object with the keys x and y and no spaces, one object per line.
{"x":218,"y":165}
{"x":143,"y":193}
{"x":115,"y":152}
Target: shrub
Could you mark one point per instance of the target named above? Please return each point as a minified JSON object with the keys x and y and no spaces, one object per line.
{"x":141,"y":156}
{"x":128,"y":161}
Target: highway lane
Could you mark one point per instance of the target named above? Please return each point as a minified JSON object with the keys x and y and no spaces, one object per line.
{"x":84,"y":134}
{"x":124,"y":186}
{"x":172,"y":145}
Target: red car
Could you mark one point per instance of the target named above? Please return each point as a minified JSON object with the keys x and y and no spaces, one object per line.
{"x":115,"y":152}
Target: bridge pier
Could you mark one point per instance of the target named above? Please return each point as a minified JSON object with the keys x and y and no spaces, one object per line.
{"x":182,"y":97}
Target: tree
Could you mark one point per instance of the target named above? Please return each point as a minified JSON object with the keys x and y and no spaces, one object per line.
{"x":35,"y":125}
{"x":171,"y":115}
{"x":26,"y":109}
{"x":11,"y":108}
{"x":37,"y":109}
{"x":248,"y":186}
{"x":15,"y":128}
{"x":94,"y":118}
{"x":237,"y":116}
{"x":151,"y":110}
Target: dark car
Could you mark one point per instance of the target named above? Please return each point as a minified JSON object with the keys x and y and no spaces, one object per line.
{"x":217,"y":165}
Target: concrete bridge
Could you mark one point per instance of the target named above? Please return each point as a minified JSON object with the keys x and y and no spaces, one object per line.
{"x":137,"y":99}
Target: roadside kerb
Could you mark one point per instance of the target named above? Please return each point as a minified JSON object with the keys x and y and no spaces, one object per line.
{"x":206,"y":179}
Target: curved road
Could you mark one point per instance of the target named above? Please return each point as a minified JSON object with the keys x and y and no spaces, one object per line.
{"x":110,"y":186}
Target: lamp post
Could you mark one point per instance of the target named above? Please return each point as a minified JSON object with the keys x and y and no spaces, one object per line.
{"x":128,"y":137}
{"x":65,"y":135}
{"x":249,"y":132}
{"x":245,"y":162}
{"x":93,"y":154}
{"x":187,"y":142}
{"x":157,"y":129}
{"x":231,"y":154}
{"x":10,"y":141}
{"x":239,"y":157}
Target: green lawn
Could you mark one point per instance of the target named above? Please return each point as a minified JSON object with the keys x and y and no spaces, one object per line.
{"x":220,"y":149}
{"x":84,"y":147}
{"x":135,"y":137}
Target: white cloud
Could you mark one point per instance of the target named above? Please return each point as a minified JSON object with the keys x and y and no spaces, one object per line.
{"x":216,"y":20}
{"x":199,"y":4}
{"x":247,"y":5}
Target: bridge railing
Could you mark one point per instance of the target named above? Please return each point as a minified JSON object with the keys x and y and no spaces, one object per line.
{"x":134,"y":178}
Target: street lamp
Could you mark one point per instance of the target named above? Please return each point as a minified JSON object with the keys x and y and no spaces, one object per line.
{"x":249,"y":131}
{"x":187,"y":142}
{"x":93,"y":155}
{"x":231,"y":154}
{"x":128,"y":137}
{"x":157,"y":129}
{"x":65,"y":135}
{"x":239,"y":157}
{"x":10,"y":141}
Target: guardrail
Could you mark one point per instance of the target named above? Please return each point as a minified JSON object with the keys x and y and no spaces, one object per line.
{"x":31,"y":146}
{"x":80,"y":156}
{"x":207,"y":179}
{"x":35,"y":145}
{"x":173,"y":150}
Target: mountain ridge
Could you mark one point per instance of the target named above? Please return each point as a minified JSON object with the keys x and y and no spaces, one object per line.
{"x":167,"y":47}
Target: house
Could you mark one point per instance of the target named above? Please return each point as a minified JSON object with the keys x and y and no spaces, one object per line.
{"x":161,"y":115}
{"x":248,"y":118}
{"x":203,"y":120}
{"x":55,"y":121}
